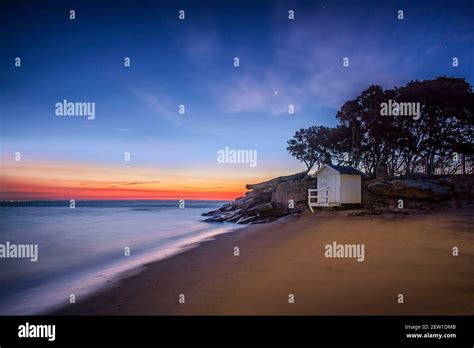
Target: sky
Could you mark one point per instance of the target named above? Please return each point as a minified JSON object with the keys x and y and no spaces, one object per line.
{"x":190,"y":62}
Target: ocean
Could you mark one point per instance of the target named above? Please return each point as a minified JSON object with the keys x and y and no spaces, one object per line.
{"x":83,"y":249}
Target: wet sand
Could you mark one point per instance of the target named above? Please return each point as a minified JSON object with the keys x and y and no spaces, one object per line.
{"x":409,"y":255}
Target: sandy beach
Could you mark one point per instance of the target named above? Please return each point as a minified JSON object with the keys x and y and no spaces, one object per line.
{"x":409,"y":255}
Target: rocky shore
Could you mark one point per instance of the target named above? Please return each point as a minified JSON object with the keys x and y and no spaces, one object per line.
{"x":286,"y":196}
{"x":419,"y":194}
{"x":267,"y":201}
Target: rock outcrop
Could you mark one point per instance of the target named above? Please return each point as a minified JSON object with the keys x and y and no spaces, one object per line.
{"x":266,"y":201}
{"x":286,"y":196}
{"x":412,"y":189}
{"x":422,"y":194}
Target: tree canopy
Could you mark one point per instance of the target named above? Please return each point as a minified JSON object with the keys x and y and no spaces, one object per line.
{"x":365,"y":138}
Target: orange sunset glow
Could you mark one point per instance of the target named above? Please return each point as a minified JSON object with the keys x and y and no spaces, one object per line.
{"x":58,"y":180}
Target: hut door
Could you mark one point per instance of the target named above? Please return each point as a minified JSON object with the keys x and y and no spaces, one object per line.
{"x":322,"y":186}
{"x":332,"y":180}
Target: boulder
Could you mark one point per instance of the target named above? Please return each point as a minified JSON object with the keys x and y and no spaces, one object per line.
{"x":270,"y":184}
{"x":248,"y":204}
{"x":291,"y":190}
{"x":265,"y":202}
{"x":462,"y":186}
{"x":215,"y":218}
{"x":411,"y":189}
{"x":247,"y":219}
{"x":264,"y":209}
{"x":260,"y":196}
{"x":234,"y":218}
{"x":268,"y":201}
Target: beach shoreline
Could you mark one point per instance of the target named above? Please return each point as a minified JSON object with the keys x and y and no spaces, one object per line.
{"x":410,"y":255}
{"x":101,"y":241}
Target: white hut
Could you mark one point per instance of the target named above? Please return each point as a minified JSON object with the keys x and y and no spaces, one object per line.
{"x":335,"y":186}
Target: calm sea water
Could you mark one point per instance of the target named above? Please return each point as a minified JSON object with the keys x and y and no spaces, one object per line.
{"x":82,"y":249}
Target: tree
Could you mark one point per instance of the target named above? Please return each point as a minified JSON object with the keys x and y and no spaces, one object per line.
{"x":311,"y":146}
{"x":372,"y":134}
{"x":445,"y":123}
{"x":365,"y":138}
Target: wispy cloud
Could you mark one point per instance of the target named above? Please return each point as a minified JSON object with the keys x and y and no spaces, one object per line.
{"x":121,"y":130}
{"x":131,"y":183}
{"x":263,"y":92}
{"x":201,"y":45}
{"x":306,"y":69}
{"x":307,"y":52}
{"x":160,"y":103}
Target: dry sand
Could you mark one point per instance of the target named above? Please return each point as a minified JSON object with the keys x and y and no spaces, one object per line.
{"x":409,"y":255}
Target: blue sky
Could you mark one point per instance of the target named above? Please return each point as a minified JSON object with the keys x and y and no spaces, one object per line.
{"x":190,"y":62}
